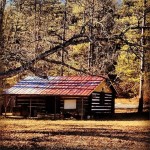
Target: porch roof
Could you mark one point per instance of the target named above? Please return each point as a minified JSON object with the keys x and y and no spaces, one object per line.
{"x":56,"y":85}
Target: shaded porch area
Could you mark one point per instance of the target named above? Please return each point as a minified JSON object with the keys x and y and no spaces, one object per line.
{"x":50,"y":107}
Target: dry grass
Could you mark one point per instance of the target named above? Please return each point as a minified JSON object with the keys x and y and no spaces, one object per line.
{"x":132,"y":102}
{"x":69,"y":135}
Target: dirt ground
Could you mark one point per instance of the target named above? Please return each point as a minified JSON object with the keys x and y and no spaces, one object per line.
{"x":123,"y":134}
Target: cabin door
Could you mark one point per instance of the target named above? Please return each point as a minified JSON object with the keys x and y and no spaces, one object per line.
{"x":52,"y":105}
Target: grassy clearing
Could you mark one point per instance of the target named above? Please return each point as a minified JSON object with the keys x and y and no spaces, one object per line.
{"x":130,"y":105}
{"x":133,"y":101}
{"x":83,"y":135}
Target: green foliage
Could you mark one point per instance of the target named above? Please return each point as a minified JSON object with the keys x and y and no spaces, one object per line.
{"x":128,"y":63}
{"x":127,"y":69}
{"x":79,"y":49}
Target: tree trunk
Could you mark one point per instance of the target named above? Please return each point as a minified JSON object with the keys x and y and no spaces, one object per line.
{"x":2,"y":8}
{"x":2,"y":69}
{"x":141,"y":90}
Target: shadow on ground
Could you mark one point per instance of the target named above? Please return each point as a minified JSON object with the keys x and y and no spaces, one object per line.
{"x":124,"y":116}
{"x":52,"y":137}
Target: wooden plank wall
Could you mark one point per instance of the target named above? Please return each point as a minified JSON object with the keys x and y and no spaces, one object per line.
{"x":36,"y":102}
{"x":102,"y":103}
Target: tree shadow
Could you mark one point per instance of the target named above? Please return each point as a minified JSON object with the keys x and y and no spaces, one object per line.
{"x":124,"y":116}
{"x":136,"y":136}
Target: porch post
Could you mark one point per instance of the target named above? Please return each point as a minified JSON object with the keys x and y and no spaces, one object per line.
{"x":82,"y":110}
{"x":55,"y":109}
{"x":30,"y":107}
{"x":5,"y":105}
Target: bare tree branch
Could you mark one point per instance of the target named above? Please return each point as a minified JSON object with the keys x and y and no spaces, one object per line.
{"x":12,"y":72}
{"x":66,"y":65}
{"x":76,"y":39}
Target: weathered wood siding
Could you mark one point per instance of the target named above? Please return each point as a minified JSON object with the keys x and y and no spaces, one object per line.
{"x":102,"y":103}
{"x":103,"y":87}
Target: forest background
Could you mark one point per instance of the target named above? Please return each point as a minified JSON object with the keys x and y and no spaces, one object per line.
{"x":77,"y":37}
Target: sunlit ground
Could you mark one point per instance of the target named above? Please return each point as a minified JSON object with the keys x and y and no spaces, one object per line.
{"x":123,"y":105}
{"x":70,"y":134}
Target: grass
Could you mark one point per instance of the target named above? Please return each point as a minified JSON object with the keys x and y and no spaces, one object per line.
{"x":70,"y":134}
{"x":133,"y":102}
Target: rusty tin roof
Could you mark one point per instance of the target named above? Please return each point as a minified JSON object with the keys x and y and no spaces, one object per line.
{"x":56,"y":85}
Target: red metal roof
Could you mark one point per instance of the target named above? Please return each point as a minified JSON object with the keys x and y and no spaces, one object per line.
{"x":59,"y":85}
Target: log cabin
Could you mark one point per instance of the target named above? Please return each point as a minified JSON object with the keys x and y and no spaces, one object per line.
{"x":61,"y":97}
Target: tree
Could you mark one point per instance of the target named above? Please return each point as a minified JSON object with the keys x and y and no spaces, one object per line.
{"x":32,"y":30}
{"x":135,"y":34}
{"x":2,"y":9}
{"x":144,"y":55}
